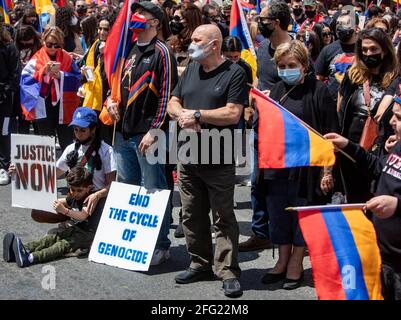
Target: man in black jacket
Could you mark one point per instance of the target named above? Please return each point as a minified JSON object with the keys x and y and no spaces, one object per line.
{"x":148,"y":77}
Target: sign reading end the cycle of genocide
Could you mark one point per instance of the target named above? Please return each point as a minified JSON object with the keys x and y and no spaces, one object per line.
{"x":129,"y":226}
{"x":33,"y":185}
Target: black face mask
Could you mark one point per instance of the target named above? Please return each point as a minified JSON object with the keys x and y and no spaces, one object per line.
{"x":372,"y":61}
{"x":81,"y":10}
{"x":297,"y":12}
{"x":310,"y":14}
{"x":266,"y":29}
{"x":344,"y":34}
{"x":176,"y":27}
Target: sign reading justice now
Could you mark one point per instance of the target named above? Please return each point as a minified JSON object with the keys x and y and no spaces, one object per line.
{"x":129,"y":226}
{"x":34,"y":184}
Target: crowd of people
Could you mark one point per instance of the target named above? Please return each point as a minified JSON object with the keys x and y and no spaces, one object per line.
{"x":334,"y":64}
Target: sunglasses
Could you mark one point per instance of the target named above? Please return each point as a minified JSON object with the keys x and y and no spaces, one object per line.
{"x":104,"y":29}
{"x":326,"y":34}
{"x":52,"y":45}
{"x":177,"y":18}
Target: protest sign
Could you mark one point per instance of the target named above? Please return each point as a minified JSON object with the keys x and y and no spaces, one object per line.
{"x":129,"y":226}
{"x":34,"y":184}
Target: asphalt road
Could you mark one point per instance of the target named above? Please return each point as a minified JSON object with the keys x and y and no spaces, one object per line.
{"x":77,"y":278}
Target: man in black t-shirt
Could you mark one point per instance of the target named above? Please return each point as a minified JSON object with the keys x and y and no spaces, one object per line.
{"x":337,"y":57}
{"x":210,"y":95}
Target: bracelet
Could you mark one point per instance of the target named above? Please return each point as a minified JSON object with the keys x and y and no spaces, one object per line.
{"x":68,"y":211}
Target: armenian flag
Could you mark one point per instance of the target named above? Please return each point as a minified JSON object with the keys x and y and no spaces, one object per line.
{"x":285,"y":141}
{"x":239,"y":28}
{"x":4,"y":11}
{"x":118,"y":45}
{"x":343,"y":250}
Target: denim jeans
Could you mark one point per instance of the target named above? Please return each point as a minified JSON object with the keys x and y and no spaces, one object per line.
{"x":260,"y":217}
{"x":133,"y":168}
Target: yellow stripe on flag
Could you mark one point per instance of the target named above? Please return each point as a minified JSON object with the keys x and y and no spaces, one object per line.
{"x":363,"y":232}
{"x":321,"y":151}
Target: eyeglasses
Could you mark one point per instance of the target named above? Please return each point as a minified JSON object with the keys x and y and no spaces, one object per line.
{"x":327,"y":34}
{"x":52,"y":45}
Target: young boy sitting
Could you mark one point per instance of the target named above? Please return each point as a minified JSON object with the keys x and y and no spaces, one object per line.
{"x":78,"y":236}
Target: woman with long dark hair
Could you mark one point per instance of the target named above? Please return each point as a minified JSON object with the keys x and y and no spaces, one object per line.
{"x":185,"y":20}
{"x":28,"y":43}
{"x":69,"y":24}
{"x":361,"y":92}
{"x":89,"y":32}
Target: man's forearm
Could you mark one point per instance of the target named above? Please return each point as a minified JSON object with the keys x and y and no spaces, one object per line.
{"x":222,"y":116}
{"x":174,"y":109}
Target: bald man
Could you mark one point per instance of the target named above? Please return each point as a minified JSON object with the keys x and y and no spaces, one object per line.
{"x":209,"y":96}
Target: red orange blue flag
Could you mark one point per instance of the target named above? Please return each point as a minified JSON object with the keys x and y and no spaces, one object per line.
{"x":118,"y":45}
{"x":4,"y":11}
{"x":284,"y":141}
{"x":239,"y":28}
{"x":343,"y":250}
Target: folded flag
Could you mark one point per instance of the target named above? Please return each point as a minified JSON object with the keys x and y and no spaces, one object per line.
{"x":239,"y":28}
{"x":35,"y":84}
{"x":285,"y":141}
{"x":343,"y":250}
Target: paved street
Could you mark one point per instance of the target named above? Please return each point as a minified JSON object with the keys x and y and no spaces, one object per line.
{"x":79,"y":279}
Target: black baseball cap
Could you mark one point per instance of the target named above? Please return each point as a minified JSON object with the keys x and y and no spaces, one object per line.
{"x":150,"y":7}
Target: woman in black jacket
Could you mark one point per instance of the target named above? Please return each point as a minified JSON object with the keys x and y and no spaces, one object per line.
{"x":361,"y":91}
{"x":309,"y":100}
{"x":9,"y":80}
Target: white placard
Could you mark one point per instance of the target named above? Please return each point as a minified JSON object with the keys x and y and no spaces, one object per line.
{"x":129,"y":226}
{"x":34,"y":184}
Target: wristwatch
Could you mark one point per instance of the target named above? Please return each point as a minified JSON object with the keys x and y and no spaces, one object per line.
{"x":197,"y":115}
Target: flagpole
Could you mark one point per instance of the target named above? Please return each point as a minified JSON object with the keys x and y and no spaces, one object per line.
{"x":305,"y":124}
{"x":114,"y":133}
{"x":336,"y":206}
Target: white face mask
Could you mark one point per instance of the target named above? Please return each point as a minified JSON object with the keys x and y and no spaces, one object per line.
{"x":197,"y":53}
{"x":74,"y":20}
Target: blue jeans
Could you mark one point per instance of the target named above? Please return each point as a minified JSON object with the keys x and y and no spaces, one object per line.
{"x":133,"y":168}
{"x":260,"y":218}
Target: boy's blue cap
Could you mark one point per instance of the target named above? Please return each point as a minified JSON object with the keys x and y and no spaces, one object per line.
{"x":84,"y":117}
{"x":397,"y":99}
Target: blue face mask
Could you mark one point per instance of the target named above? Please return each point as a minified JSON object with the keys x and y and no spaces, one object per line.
{"x":290,"y":76}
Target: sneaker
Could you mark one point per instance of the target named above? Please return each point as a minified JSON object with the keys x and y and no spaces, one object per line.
{"x":255,"y":243}
{"x":160,"y":256}
{"x":4,"y":177}
{"x":21,"y":254}
{"x":232,"y":288}
{"x":8,"y":252}
{"x":192,"y":275}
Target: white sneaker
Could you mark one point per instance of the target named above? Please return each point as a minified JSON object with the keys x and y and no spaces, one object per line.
{"x":160,"y":256}
{"x":4,"y":177}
